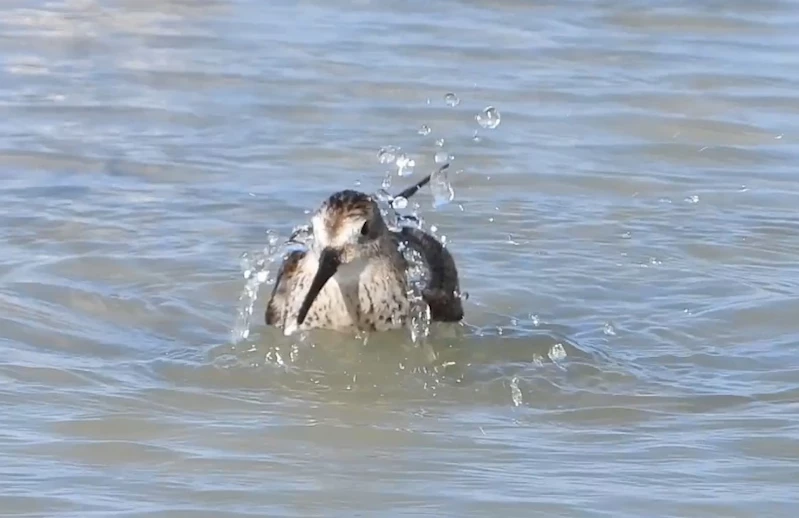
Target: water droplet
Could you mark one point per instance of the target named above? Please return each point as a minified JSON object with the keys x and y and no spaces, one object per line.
{"x":388,"y":154}
{"x":535,"y":320}
{"x":452,"y":100}
{"x":441,"y":189}
{"x":386,"y":182}
{"x":515,"y":391}
{"x":357,"y":183}
{"x":608,"y":329}
{"x":262,"y":276}
{"x":405,"y":165}
{"x":441,"y":157}
{"x":692,"y":199}
{"x":440,"y":142}
{"x":247,"y":274}
{"x":488,"y":118}
{"x":556,"y":352}
{"x":399,"y":202}
{"x":476,"y":137}
{"x":424,"y":130}
{"x":627,"y":235}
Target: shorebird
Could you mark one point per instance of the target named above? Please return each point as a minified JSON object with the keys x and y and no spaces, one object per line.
{"x":353,"y":274}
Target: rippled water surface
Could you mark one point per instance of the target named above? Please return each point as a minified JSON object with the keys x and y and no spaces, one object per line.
{"x":627,"y":234}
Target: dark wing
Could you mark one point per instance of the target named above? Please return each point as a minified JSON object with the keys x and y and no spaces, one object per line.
{"x":276,"y":307}
{"x":442,"y":293}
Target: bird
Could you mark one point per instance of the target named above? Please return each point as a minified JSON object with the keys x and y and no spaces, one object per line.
{"x":353,"y":274}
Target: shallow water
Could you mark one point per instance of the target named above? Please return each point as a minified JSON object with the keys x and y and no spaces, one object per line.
{"x":627,"y":236}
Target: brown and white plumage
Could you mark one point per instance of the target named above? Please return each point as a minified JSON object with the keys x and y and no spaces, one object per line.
{"x":353,"y":276}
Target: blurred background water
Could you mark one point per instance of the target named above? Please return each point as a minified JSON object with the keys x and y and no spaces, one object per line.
{"x":627,"y":235}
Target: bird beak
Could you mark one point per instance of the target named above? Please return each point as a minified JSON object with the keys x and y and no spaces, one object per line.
{"x":328,"y":265}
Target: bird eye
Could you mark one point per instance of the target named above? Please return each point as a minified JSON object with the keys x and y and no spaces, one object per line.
{"x":365,"y":229}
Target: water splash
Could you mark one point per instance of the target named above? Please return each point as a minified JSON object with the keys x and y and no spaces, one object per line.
{"x":405,"y":165}
{"x":489,"y":118}
{"x":609,"y":329}
{"x":398,"y":158}
{"x":556,"y":352}
{"x":417,"y":275}
{"x":441,"y":188}
{"x":515,"y":392}
{"x":452,"y":100}
{"x":388,"y":154}
{"x":255,"y":270}
{"x":385,"y":203}
{"x":399,"y":202}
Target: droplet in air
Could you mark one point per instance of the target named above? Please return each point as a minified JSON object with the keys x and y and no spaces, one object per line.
{"x":452,"y":100}
{"x":476,"y":137}
{"x":424,"y":130}
{"x":608,"y":329}
{"x":488,"y":118}
{"x":535,"y":320}
{"x":405,"y":165}
{"x":441,"y":189}
{"x":442,"y":157}
{"x":388,"y":154}
{"x":399,"y":202}
{"x":515,"y":391}
{"x":692,"y":199}
{"x":440,"y":142}
{"x":556,"y":352}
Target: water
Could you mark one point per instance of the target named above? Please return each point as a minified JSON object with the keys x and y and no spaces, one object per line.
{"x":627,"y":237}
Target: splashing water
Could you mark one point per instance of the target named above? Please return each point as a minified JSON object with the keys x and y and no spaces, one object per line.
{"x":489,"y":118}
{"x":394,"y":155}
{"x":441,"y":189}
{"x":556,"y":352}
{"x":515,"y":392}
{"x":417,"y":275}
{"x":399,"y":202}
{"x":255,"y":269}
{"x":452,"y":100}
{"x":405,"y":165}
{"x":388,"y":154}
{"x":385,"y":202}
